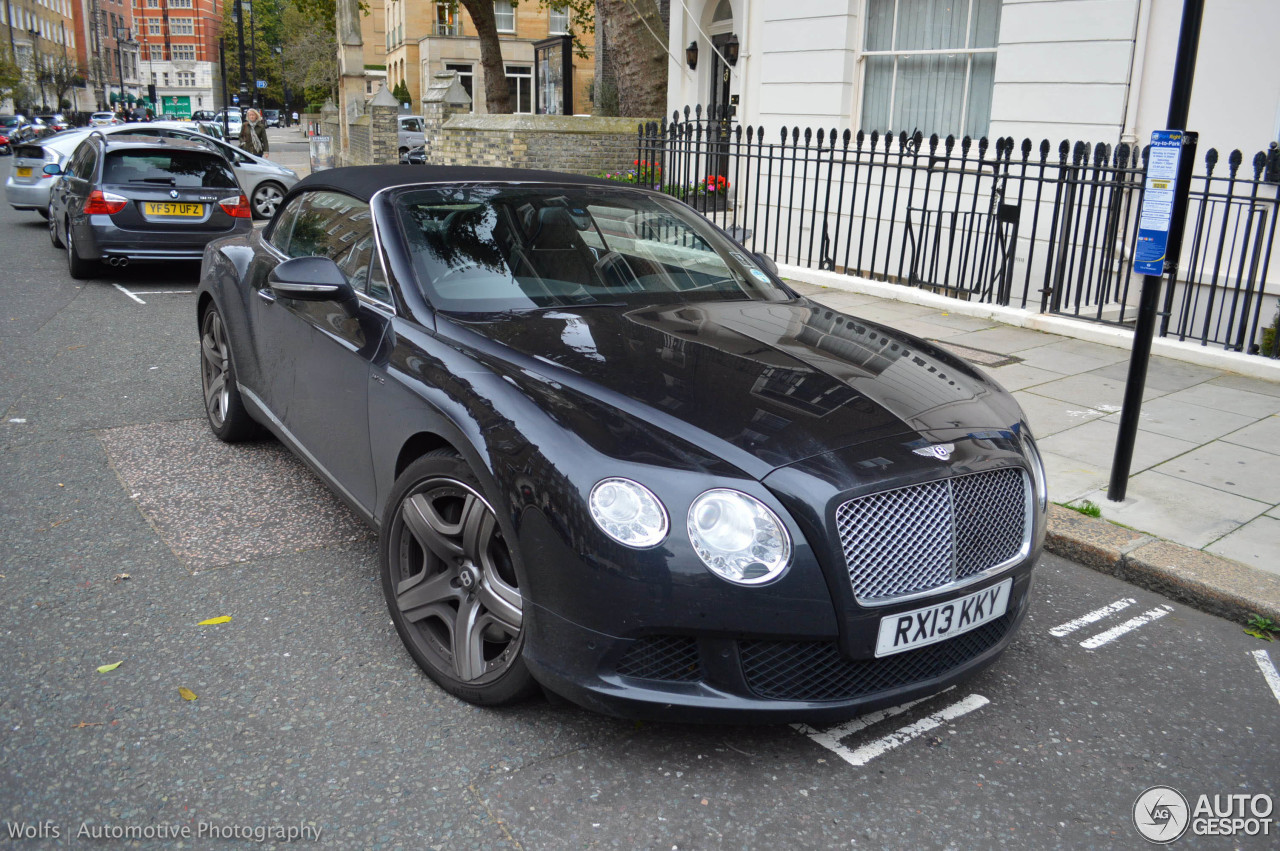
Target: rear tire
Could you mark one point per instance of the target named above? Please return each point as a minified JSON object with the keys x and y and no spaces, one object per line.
{"x":450,"y":584}
{"x":54,"y":227}
{"x":78,"y":268}
{"x":223,"y":406}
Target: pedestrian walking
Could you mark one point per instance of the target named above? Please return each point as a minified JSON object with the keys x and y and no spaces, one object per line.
{"x":253,"y":133}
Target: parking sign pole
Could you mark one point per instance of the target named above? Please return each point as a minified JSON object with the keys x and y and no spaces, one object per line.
{"x":1184,"y":70}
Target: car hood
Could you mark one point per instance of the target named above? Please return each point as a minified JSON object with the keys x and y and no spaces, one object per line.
{"x":777,"y":381}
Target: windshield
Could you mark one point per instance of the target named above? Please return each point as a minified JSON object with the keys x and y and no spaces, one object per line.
{"x":168,"y":168}
{"x":485,"y":249}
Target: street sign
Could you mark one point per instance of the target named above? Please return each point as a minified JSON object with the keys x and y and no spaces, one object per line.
{"x":235,"y":98}
{"x":262,"y":84}
{"x":1157,"y":202}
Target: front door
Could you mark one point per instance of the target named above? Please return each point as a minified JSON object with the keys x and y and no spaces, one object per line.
{"x":720,"y":111}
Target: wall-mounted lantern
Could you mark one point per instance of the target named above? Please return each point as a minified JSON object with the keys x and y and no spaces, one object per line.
{"x":691,"y":55}
{"x":731,"y":50}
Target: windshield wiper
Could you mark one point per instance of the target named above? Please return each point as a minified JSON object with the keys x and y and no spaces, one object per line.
{"x":166,"y":181}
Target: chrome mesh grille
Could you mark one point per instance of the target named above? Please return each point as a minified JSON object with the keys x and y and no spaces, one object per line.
{"x":922,"y":537}
{"x":991,"y":519}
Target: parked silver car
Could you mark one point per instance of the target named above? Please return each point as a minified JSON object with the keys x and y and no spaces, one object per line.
{"x":263,"y":182}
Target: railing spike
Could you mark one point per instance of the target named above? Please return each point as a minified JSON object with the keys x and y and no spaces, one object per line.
{"x":1259,"y":163}
{"x":1234,"y":161}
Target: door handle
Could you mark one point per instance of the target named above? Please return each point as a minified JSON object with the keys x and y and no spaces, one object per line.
{"x":267,"y":295}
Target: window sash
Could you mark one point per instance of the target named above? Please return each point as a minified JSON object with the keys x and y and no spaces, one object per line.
{"x":504,"y":16}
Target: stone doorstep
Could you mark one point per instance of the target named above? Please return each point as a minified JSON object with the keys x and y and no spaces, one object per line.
{"x":1199,"y":579}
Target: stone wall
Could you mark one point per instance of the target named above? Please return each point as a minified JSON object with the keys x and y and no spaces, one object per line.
{"x":575,"y":144}
{"x":361,"y":148}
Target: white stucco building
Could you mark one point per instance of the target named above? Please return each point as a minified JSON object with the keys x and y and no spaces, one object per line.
{"x":1089,"y":70}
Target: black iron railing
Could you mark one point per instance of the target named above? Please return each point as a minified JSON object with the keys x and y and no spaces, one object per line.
{"x":1043,"y":227}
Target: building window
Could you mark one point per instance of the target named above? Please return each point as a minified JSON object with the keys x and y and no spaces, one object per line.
{"x":153,"y":4}
{"x":448,"y":20}
{"x":187,"y":79}
{"x":520,"y":85}
{"x":559,"y":21}
{"x":182,"y":26}
{"x":179,"y":4}
{"x":166,"y":79}
{"x":184,"y":51}
{"x":504,"y":15}
{"x":930,"y":66}
{"x":155,"y":53}
{"x":466,"y":78}
{"x":153,"y":27}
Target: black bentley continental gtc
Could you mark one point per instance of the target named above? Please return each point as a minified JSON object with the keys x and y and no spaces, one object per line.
{"x":610,"y":453}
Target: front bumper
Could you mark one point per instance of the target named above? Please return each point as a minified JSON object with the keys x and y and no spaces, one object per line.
{"x":755,"y":679}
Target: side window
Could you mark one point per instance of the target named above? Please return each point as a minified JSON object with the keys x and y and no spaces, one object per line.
{"x":354,"y":262}
{"x":88,"y":162}
{"x":327,"y":225}
{"x":282,"y":227}
{"x":377,"y":283}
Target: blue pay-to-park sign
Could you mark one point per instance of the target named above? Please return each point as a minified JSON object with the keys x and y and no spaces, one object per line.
{"x":1157,"y":202}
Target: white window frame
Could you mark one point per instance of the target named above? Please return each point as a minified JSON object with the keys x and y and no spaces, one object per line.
{"x":968,"y":52}
{"x":502,"y":9}
{"x":558,"y":23}
{"x":469,"y":72}
{"x":522,"y":72}
{"x":182,"y":26}
{"x":184,"y":52}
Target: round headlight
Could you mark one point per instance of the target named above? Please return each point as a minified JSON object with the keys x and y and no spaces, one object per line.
{"x":738,"y":538}
{"x":628,"y":512}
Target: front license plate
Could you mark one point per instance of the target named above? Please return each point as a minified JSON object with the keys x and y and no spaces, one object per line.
{"x":156,"y":208}
{"x":23,"y":171}
{"x":921,"y":627}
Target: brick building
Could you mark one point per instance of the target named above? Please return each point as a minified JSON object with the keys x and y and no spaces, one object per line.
{"x":178,"y":44}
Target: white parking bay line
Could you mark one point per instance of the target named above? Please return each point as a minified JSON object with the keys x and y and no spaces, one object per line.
{"x":129,"y":294}
{"x":1128,"y":626}
{"x":1096,"y":615}
{"x":830,"y":739}
{"x":165,"y":292}
{"x":1269,"y":673}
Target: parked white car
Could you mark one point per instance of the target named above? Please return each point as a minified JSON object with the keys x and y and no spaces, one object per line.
{"x":263,"y":182}
{"x":411,"y":132}
{"x":104,"y":119}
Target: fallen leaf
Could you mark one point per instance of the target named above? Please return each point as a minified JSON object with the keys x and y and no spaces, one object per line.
{"x":83,"y":724}
{"x":187,"y":694}
{"x":217,"y":620}
{"x":120,"y":576}
{"x":103,"y":669}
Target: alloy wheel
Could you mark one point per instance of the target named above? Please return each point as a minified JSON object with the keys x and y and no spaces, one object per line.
{"x":454,"y":582}
{"x":265,"y":200}
{"x":214,"y":358}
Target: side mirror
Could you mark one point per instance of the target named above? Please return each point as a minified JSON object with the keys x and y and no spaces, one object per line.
{"x":52,"y":169}
{"x":767,"y":262}
{"x":311,"y":279}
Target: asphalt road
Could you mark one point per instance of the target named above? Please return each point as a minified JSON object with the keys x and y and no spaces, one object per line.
{"x":309,"y":715}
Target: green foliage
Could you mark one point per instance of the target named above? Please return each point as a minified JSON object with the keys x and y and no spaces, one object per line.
{"x":1264,"y":628}
{"x":10,"y":76}
{"x":401,"y":92}
{"x":1087,"y":508}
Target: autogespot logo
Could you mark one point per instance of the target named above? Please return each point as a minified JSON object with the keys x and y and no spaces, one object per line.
{"x":1161,"y":814}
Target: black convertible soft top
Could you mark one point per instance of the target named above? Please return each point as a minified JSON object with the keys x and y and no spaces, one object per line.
{"x":364,"y":180}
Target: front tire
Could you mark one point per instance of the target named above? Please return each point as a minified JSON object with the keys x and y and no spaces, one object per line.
{"x":223,"y":406}
{"x":450,"y":583}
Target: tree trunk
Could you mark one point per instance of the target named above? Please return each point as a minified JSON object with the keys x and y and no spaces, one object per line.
{"x":634,"y":59}
{"x":496,"y":95}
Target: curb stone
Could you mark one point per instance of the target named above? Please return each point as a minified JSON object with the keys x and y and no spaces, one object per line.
{"x":1198,"y":579}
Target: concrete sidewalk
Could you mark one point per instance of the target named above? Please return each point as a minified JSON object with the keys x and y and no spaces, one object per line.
{"x":1201,"y":520}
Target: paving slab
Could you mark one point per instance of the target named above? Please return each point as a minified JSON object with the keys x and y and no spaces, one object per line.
{"x":1073,"y":356}
{"x":1235,"y":469}
{"x":1251,"y":385}
{"x":1178,"y":510}
{"x":1256,"y":542}
{"x":1164,"y":373}
{"x":1006,"y":339}
{"x":1263,"y":435}
{"x":1214,"y":395}
{"x":1050,"y":416}
{"x":1094,"y":444}
{"x":1070,"y":478}
{"x":1090,"y":390}
{"x":1020,"y":376}
{"x":1184,"y":421}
